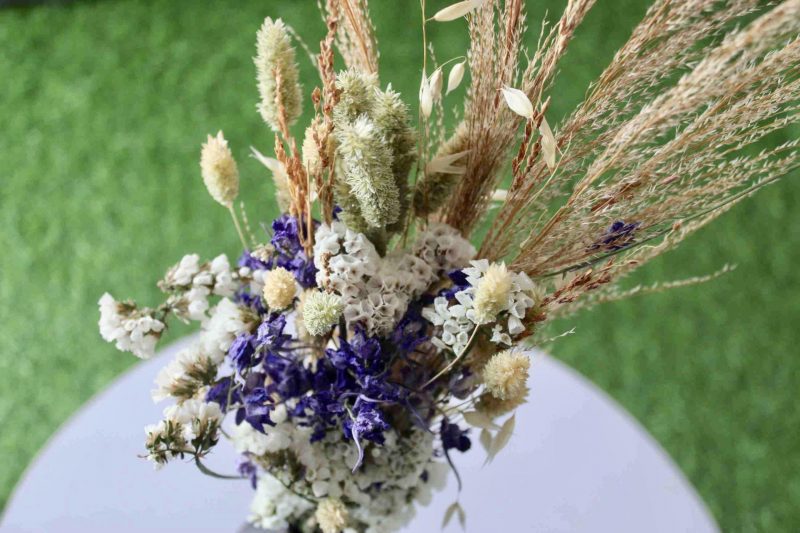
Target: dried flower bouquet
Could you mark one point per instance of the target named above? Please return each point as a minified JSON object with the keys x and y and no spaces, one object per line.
{"x":364,"y":339}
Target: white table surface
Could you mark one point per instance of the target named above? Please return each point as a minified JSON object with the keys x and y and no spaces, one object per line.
{"x":577,"y":463}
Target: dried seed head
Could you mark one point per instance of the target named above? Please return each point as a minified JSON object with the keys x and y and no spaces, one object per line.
{"x":219,"y":171}
{"x":367,"y":166}
{"x":506,"y":374}
{"x":331,"y":515}
{"x":275,"y":63}
{"x":495,"y":407}
{"x":279,"y":288}
{"x":491,"y":294}
{"x":311,"y":151}
{"x":279,"y":177}
{"x":441,"y":174}
{"x":357,"y":94}
{"x":455,"y":77}
{"x":321,"y":311}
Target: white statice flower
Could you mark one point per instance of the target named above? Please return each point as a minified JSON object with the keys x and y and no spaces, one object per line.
{"x":443,"y":248}
{"x":184,"y":376}
{"x":131,"y":329}
{"x":376,"y":291}
{"x":198,"y":418}
{"x":247,"y":439}
{"x":196,"y":300}
{"x":398,"y":467}
{"x":456,"y":328}
{"x":274,"y":507}
{"x":226,"y":323}
{"x":182,"y":274}
{"x":160,"y":441}
{"x":224,"y":283}
{"x":505,"y":299}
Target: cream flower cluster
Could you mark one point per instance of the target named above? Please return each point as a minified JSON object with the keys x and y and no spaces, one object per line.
{"x":195,"y":367}
{"x":185,"y":375}
{"x":495,"y":295}
{"x":397,"y":466}
{"x":376,"y":291}
{"x":132,"y":330}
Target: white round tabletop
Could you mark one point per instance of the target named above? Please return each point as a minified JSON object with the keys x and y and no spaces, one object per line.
{"x":576,"y":463}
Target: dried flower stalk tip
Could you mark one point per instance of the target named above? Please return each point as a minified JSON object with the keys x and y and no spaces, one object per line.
{"x":219,"y":170}
{"x":277,"y":74}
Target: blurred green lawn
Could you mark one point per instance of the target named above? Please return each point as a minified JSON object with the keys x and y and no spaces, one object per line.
{"x":102,"y":112}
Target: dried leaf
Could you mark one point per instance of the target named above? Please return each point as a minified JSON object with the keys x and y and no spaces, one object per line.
{"x":457,"y":10}
{"x":275,"y":166}
{"x":486,"y":440}
{"x":500,"y":195}
{"x":425,"y":97}
{"x":444,"y":164}
{"x":462,"y":518}
{"x":451,"y":510}
{"x":455,"y":77}
{"x":479,"y":420}
{"x":549,"y":148}
{"x":518,"y":102}
{"x":502,"y":437}
{"x":435,"y":84}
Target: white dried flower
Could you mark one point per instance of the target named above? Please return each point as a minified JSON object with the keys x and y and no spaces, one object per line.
{"x":331,"y":515}
{"x":506,"y":375}
{"x":492,"y":292}
{"x":131,"y":329}
{"x":279,"y":288}
{"x":321,"y":311}
{"x":219,"y":170}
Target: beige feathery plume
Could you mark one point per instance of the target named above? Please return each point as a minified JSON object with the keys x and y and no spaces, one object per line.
{"x":278,"y":78}
{"x":219,"y":170}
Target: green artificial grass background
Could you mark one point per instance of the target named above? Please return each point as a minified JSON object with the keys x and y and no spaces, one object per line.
{"x":103,"y":107}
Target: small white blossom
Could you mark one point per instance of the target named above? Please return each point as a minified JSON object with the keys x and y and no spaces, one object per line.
{"x":131,"y":329}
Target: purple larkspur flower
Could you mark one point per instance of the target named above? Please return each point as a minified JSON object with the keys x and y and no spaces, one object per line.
{"x":247,"y":469}
{"x":270,"y":335}
{"x":257,"y":403}
{"x":454,"y":437}
{"x":241,"y":352}
{"x":221,"y":391}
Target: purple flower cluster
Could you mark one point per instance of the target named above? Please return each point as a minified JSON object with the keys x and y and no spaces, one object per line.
{"x":289,"y":252}
{"x":360,"y":385}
